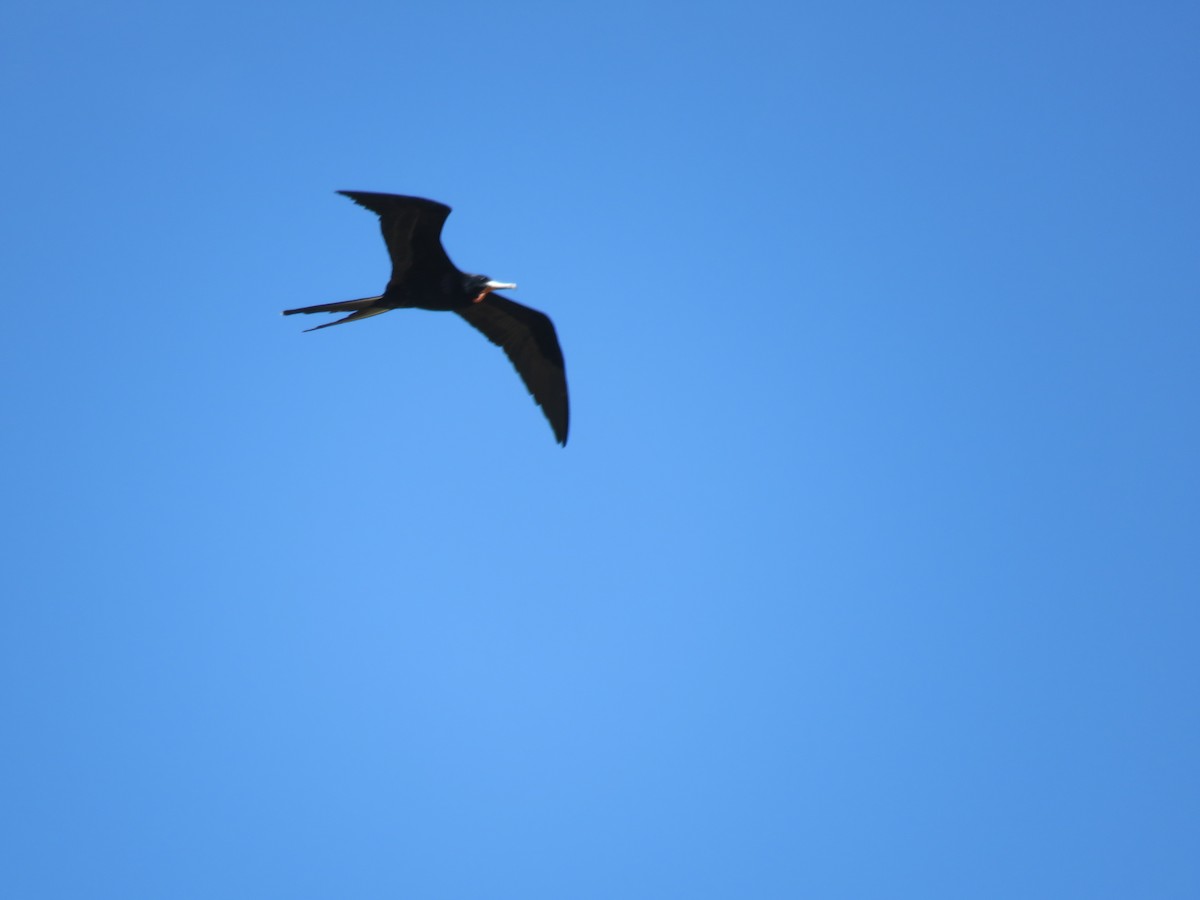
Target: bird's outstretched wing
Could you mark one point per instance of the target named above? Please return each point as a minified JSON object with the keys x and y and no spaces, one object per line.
{"x":412,"y":229}
{"x":528,"y":338}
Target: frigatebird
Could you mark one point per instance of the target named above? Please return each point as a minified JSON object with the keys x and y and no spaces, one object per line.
{"x":423,"y":277}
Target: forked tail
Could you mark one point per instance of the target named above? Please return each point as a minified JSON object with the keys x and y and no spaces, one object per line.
{"x":358,"y":309}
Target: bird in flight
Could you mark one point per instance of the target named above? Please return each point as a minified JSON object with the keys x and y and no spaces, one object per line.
{"x":423,"y":277}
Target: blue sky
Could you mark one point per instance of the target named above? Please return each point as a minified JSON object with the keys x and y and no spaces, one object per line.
{"x":870,"y":569}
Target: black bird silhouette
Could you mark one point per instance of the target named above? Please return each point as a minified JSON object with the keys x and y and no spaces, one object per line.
{"x":424,"y":277}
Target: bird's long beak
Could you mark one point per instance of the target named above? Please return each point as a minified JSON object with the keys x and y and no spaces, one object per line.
{"x":489,"y":286}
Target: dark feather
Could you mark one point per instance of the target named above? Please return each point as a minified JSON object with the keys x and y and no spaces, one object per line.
{"x":412,"y":229}
{"x":528,"y":338}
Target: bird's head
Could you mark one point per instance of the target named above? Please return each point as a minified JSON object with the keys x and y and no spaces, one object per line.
{"x":479,"y":286}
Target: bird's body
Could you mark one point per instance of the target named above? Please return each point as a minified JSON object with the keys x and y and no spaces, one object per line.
{"x":424,"y":277}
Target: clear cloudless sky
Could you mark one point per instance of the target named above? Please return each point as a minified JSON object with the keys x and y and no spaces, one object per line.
{"x":870,"y":569}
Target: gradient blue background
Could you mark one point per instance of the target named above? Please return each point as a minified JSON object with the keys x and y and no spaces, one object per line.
{"x":870,"y":569}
